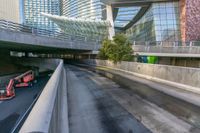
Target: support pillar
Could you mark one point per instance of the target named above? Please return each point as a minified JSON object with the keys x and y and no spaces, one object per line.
{"x":26,"y":54}
{"x":110,"y":19}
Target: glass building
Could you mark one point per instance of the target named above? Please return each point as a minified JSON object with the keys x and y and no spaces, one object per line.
{"x":125,"y":15}
{"x":160,"y":23}
{"x":33,"y":9}
{"x":89,"y":9}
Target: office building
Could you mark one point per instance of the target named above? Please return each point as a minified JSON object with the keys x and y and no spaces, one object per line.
{"x":33,"y":10}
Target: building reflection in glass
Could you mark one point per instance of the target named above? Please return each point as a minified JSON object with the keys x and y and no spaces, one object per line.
{"x":160,"y":23}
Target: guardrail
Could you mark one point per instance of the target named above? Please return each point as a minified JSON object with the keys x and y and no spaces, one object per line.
{"x":8,"y":25}
{"x":171,"y":48}
{"x":50,"y":113}
{"x":166,"y":43}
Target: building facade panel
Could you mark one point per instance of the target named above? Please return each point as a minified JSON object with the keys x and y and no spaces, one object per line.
{"x":10,"y":10}
{"x":160,"y":23}
{"x":89,"y":9}
{"x":183,"y":19}
{"x":192,"y":20}
{"x":33,"y":10}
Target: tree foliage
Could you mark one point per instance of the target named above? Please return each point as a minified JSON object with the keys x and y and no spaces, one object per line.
{"x":117,"y":50}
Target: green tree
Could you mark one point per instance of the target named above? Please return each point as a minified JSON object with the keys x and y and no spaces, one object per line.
{"x":103,"y":51}
{"x":117,"y":50}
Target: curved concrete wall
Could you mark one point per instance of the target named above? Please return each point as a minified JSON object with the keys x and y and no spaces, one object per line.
{"x":50,"y":113}
{"x":182,"y":77}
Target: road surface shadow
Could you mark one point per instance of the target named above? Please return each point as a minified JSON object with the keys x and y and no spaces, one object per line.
{"x":8,"y":123}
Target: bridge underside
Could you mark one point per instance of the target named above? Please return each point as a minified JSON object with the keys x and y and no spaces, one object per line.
{"x":23,"y":42}
{"x":12,"y":46}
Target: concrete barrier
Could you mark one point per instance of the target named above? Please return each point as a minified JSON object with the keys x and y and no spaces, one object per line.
{"x":50,"y":113}
{"x":182,"y":77}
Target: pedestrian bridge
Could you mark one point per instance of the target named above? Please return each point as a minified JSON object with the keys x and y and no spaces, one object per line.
{"x":24,"y":38}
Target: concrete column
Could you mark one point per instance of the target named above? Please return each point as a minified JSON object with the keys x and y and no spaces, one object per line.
{"x":26,"y":54}
{"x":110,"y":19}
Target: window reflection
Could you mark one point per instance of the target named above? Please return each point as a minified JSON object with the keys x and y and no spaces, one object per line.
{"x":160,"y":23}
{"x":33,"y":9}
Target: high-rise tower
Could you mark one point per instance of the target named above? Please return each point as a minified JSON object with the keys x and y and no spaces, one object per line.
{"x":10,"y":10}
{"x":90,"y":9}
{"x":33,"y":9}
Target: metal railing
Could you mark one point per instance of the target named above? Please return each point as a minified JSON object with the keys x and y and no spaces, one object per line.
{"x":8,"y":25}
{"x":166,"y":43}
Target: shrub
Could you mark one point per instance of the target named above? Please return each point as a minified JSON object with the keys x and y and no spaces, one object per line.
{"x":117,"y":50}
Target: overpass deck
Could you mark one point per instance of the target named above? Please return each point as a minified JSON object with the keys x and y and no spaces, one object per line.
{"x":23,"y":38}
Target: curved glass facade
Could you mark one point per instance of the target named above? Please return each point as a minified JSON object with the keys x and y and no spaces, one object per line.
{"x":33,"y":9}
{"x":90,"y":9}
{"x":160,"y":23}
{"x":125,"y":15}
{"x":83,"y":27}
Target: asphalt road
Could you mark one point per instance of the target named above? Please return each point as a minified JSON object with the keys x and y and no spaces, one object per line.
{"x":92,"y":110}
{"x":12,"y":110}
{"x":99,"y":105}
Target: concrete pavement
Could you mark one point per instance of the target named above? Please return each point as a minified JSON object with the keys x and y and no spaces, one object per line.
{"x":92,"y":110}
{"x":100,"y":105}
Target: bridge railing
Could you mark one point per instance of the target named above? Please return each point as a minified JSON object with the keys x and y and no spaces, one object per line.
{"x":177,"y":47}
{"x":8,"y":25}
{"x":50,"y":112}
{"x":166,"y":43}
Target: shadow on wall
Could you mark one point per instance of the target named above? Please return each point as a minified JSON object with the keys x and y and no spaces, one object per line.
{"x":8,"y":67}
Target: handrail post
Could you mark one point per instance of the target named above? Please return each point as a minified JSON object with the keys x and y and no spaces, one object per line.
{"x":191,"y":43}
{"x":174,"y":44}
{"x":133,"y":43}
{"x":32,"y":31}
{"x":7,"y":25}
